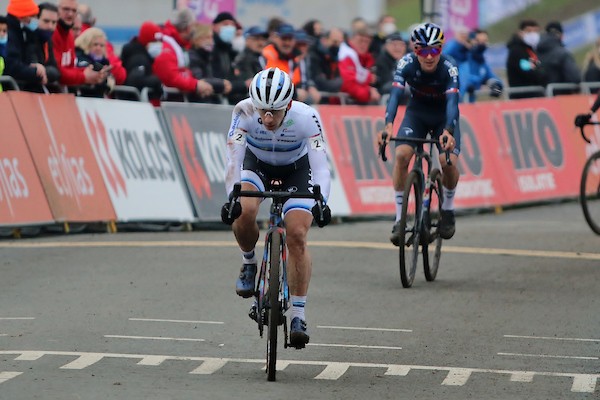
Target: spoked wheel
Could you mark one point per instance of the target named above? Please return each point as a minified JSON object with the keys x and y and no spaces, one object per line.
{"x":409,"y":230}
{"x":589,"y":192}
{"x":274,"y":304}
{"x":432,"y":250}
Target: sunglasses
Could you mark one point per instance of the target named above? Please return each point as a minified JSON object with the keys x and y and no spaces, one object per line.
{"x":428,"y":51}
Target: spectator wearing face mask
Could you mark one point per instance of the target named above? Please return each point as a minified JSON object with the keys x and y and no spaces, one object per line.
{"x":225,"y":28}
{"x":559,"y":63}
{"x":475,"y":71}
{"x":250,"y":61}
{"x":200,"y":63}
{"x":385,"y":27}
{"x":3,"y":35}
{"x":385,"y":65}
{"x":138,"y":56}
{"x":22,"y":25}
{"x":324,"y":61}
{"x":41,"y":50}
{"x":523,"y":66}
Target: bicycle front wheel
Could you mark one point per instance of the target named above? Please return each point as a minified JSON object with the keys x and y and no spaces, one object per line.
{"x":410,"y":229}
{"x":274,"y":304}
{"x":589,"y":192}
{"x":432,"y":250}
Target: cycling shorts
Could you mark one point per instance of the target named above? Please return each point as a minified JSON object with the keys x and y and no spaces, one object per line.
{"x":418,"y":122}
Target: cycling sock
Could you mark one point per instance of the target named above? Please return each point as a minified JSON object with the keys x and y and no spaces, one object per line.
{"x":297,"y":310}
{"x":399,"y":197}
{"x":448,"y":203}
{"x":248,"y":257}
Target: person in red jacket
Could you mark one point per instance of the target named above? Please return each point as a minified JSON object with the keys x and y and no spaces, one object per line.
{"x":172,"y":64}
{"x":355,"y":64}
{"x":64,"y":50}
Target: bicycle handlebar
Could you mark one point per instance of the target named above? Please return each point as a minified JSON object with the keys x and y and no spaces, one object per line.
{"x":416,"y":140}
{"x":582,"y":126}
{"x":238,"y":192}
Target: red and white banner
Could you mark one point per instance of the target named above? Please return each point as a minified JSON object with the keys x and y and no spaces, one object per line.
{"x":63,"y":157}
{"x":22,"y":197}
{"x":140,"y":170}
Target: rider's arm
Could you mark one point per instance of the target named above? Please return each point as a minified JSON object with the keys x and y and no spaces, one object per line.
{"x":317,"y":157}
{"x":452,"y":114}
{"x":236,"y":149}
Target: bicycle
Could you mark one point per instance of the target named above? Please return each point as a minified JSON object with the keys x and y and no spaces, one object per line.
{"x":589,"y":188}
{"x":272,"y":298}
{"x":418,"y":225}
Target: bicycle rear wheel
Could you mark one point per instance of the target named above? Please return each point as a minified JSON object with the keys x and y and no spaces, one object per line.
{"x":274,"y":304}
{"x":589,"y":192}
{"x":410,"y":229}
{"x":432,"y":250}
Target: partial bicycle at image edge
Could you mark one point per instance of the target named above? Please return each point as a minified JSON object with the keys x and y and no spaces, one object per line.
{"x":589,"y":189}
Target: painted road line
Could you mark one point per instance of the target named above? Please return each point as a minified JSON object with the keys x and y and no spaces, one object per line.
{"x":333,"y":371}
{"x":153,"y":338}
{"x":364,"y":329}
{"x":354,"y":346}
{"x":30,"y":355}
{"x":582,"y":383}
{"x":210,"y":366}
{"x":15,"y":318}
{"x":175,"y":321}
{"x":338,"y":244}
{"x":3,"y":334}
{"x":152,"y":360}
{"x":6,"y":375}
{"x":552,"y":338}
{"x":83,"y":361}
{"x":546,"y":356}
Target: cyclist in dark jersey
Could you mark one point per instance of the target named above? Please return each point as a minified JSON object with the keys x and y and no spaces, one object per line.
{"x":433,"y":106}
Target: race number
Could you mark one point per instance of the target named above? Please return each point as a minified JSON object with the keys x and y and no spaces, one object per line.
{"x":316,"y":143}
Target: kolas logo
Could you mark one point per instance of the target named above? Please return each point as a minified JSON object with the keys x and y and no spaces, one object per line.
{"x":100,"y":143}
{"x":185,"y":141}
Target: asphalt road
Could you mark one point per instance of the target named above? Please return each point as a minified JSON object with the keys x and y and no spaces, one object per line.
{"x":513,"y":314}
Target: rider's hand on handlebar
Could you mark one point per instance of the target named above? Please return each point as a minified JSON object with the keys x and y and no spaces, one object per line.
{"x":582,"y":119}
{"x":388,"y":131}
{"x":323,"y":218}
{"x":450,"y":142}
{"x":231,"y":211}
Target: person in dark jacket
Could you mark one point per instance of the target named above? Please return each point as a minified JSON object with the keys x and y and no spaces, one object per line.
{"x":90,"y":48}
{"x":22,"y":24}
{"x":200,"y":64}
{"x":523,"y":65}
{"x":41,"y":50}
{"x":3,"y":35}
{"x":559,"y":63}
{"x":137,"y":57}
{"x":591,"y":64}
{"x":250,"y":61}
{"x":223,"y":54}
{"x":324,"y":61}
{"x":393,"y":50}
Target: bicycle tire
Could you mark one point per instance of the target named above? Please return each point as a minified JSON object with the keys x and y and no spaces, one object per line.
{"x":409,"y":225}
{"x":274,"y":303}
{"x":433,"y":246}
{"x":589,"y":192}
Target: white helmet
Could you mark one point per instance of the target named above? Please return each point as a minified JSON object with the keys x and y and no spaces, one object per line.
{"x":271,"y":89}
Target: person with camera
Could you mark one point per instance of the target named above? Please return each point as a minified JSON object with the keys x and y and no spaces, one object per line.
{"x":272,"y":137}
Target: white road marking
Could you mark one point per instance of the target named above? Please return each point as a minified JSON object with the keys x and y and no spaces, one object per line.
{"x":175,"y":321}
{"x":582,"y":383}
{"x":15,"y":318}
{"x":152,"y":360}
{"x":354,"y":346}
{"x":153,"y":338}
{"x":6,"y":375}
{"x":457,"y":377}
{"x":3,"y":334}
{"x":210,"y":366}
{"x":546,"y":356}
{"x":85,"y":360}
{"x":338,"y":244}
{"x":522,"y":377}
{"x":357,"y":328}
{"x":552,"y":338}
{"x":333,"y":371}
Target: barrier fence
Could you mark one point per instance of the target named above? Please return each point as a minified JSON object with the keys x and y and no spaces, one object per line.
{"x":96,"y":160}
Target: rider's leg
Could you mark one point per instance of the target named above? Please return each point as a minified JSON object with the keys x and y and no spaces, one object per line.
{"x":403,"y":156}
{"x":449,"y":181}
{"x":299,"y":266}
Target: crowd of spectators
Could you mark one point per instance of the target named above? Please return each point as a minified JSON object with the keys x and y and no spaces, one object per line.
{"x":51,"y":47}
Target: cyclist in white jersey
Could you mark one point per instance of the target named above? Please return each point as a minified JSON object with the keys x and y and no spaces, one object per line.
{"x":272,"y":137}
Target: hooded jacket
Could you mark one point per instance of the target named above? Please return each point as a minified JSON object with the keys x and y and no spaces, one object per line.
{"x":559,"y":64}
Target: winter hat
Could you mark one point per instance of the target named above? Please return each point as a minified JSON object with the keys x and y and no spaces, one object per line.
{"x":22,"y":8}
{"x":148,"y":33}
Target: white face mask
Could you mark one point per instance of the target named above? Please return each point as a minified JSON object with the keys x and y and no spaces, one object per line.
{"x":531,"y":38}
{"x":154,"y":49}
{"x":388,"y":28}
{"x":238,"y":43}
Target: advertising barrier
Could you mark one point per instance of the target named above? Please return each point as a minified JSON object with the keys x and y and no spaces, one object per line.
{"x":22,"y":197}
{"x":63,"y":158}
{"x":140,"y":170}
